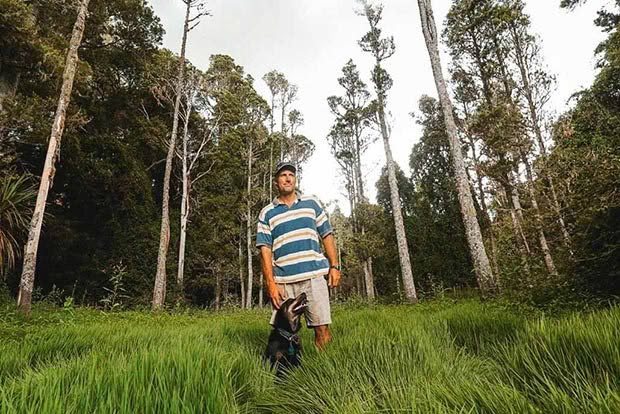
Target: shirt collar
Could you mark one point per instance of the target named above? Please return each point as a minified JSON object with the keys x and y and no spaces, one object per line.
{"x":277,"y":202}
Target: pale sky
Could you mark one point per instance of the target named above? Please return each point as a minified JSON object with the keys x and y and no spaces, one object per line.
{"x":311,"y":40}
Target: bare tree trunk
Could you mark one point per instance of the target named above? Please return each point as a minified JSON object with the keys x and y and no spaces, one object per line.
{"x":218,"y":288}
{"x":248,"y":227}
{"x":539,"y":223}
{"x":241,"y":272}
{"x":484,"y":275}
{"x":518,"y":213}
{"x":184,"y":202}
{"x":524,"y":248}
{"x":260,"y":279}
{"x":159,"y":290}
{"x":403,"y":249}
{"x":529,"y":96}
{"x":24,"y":297}
{"x":225,"y":285}
{"x":282,"y":130}
{"x":368,"y":277}
{"x":485,"y":209}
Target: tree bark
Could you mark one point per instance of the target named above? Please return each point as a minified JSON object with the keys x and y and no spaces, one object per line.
{"x":485,"y":209}
{"x":159,"y":290}
{"x":368,"y":276}
{"x":24,"y":297}
{"x":241,"y":272}
{"x":248,"y":227}
{"x":549,"y":263}
{"x":524,"y":248}
{"x":218,"y":288}
{"x":403,"y":248}
{"x":184,"y":201}
{"x":517,"y":213}
{"x":484,"y":275}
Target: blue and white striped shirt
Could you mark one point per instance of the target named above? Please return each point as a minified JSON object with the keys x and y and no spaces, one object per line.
{"x":293,"y":235}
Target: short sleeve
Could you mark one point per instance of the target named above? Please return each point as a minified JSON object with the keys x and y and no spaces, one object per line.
{"x":322,"y":221}
{"x":263,"y":231}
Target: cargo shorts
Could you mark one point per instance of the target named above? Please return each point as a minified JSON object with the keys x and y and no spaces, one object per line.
{"x":318,"y":311}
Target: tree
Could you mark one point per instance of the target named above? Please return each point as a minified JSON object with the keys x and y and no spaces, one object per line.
{"x":159,"y":290}
{"x":241,"y":112}
{"x":349,"y":139}
{"x":287,"y":94}
{"x":275,"y":82}
{"x":24,"y":298}
{"x":193,"y":152}
{"x":535,"y":87}
{"x":484,"y":275}
{"x":442,"y":251}
{"x":382,"y":49}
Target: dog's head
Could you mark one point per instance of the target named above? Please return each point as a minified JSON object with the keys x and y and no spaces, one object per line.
{"x":289,"y":315}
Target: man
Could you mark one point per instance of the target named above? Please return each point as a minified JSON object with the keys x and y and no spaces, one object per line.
{"x":289,"y":229}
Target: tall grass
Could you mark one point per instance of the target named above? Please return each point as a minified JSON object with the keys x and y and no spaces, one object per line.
{"x":460,"y":358}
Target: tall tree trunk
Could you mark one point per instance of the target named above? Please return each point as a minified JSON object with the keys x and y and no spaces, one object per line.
{"x":518,"y":211}
{"x":522,"y":154}
{"x":538,"y":217}
{"x":403,"y":249}
{"x":368,"y":276}
{"x":484,"y":275}
{"x":260,"y":279}
{"x":218,"y":288}
{"x":534,"y":118}
{"x":184,"y":201}
{"x":225,"y":286}
{"x":24,"y":297}
{"x":159,"y":290}
{"x":524,"y":249}
{"x":248,"y":227}
{"x":283,"y":137}
{"x":485,"y":209}
{"x":271,"y":126}
{"x":241,"y":272}
{"x":370,"y":282}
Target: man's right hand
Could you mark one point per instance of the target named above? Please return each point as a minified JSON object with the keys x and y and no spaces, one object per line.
{"x":276,"y":297}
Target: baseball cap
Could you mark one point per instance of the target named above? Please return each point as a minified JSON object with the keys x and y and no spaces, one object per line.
{"x":284,"y":165}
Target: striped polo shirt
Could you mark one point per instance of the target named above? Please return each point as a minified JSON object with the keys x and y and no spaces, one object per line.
{"x":293,"y":235}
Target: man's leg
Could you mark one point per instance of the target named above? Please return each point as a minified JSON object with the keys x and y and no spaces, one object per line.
{"x":322,"y":336}
{"x":318,"y":314}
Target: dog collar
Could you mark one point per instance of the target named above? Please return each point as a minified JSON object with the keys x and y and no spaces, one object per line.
{"x":291,"y":337}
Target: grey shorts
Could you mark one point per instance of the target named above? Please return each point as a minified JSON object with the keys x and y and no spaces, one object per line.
{"x":318,"y":311}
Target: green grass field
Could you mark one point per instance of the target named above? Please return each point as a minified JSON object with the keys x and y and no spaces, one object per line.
{"x":463,"y":357}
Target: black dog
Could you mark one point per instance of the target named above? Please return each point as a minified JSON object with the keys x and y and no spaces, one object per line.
{"x":284,"y":345}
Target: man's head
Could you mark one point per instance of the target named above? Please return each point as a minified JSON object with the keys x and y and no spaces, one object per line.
{"x":285,"y":178}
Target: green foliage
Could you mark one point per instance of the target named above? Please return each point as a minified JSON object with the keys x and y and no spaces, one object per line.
{"x":116,"y":292}
{"x":17,"y":197}
{"x":441,"y":357}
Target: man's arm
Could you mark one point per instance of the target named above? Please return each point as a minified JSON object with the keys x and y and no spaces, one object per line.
{"x":330,"y":251}
{"x":270,"y":284}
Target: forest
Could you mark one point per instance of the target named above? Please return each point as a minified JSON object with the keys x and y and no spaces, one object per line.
{"x":158,"y":168}
{"x":483,"y":278}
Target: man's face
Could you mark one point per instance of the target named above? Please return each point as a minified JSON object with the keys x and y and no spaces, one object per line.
{"x":285,"y":181}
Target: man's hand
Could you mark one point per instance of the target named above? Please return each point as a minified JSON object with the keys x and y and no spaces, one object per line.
{"x":333,"y":277}
{"x":274,"y":294}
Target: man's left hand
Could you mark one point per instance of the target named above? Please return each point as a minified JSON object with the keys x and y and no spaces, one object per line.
{"x":333,"y":277}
